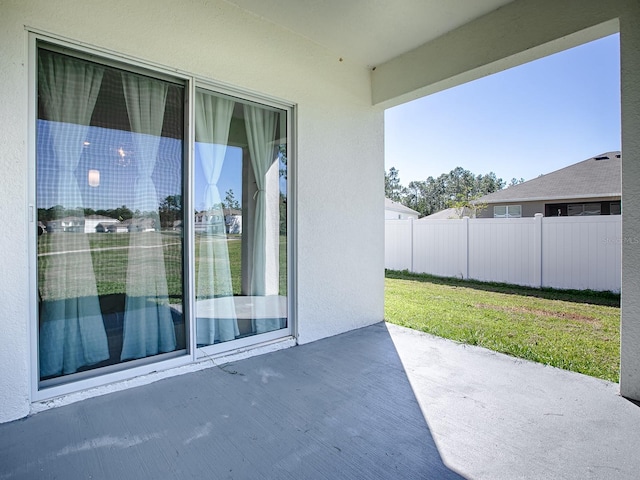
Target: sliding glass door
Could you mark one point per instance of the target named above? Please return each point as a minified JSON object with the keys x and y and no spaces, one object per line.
{"x":116,"y":245}
{"x":109,"y":163}
{"x":240,"y":229}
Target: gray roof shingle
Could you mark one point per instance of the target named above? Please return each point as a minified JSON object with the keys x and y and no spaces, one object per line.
{"x":598,"y":176}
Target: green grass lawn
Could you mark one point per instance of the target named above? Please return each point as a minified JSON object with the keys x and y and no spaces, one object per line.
{"x":573,"y":330}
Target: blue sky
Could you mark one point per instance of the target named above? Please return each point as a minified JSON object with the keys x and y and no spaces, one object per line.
{"x":522,"y":122}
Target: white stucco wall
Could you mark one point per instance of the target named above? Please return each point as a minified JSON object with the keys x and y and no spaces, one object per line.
{"x":630,"y":83}
{"x":526,"y":30}
{"x":339,"y":144}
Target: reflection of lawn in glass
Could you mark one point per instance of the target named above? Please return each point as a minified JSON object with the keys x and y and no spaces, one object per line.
{"x":234,"y":244}
{"x":110,"y":255}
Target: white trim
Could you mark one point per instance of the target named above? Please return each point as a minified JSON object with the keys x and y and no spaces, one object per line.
{"x":188,"y":231}
{"x":100,"y":379}
{"x":127,"y":61}
{"x":292,"y":222}
{"x":142,"y":377}
{"x":549,"y":199}
{"x":32,"y":243}
{"x":240,"y":344}
{"x":108,"y":57}
{"x":506,"y":211}
{"x":245,"y":95}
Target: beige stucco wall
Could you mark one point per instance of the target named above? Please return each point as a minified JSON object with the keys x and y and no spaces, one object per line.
{"x":522,"y":31}
{"x":339,"y":144}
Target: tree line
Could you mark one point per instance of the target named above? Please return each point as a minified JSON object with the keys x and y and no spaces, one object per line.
{"x":456,"y":189}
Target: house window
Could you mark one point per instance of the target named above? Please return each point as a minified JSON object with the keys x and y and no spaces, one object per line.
{"x":507,"y":211}
{"x":115,"y":241}
{"x":615,"y":208}
{"x":583,"y":209}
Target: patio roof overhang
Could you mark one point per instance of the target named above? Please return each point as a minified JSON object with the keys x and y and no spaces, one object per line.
{"x":366,"y":32}
{"x":415,"y":48}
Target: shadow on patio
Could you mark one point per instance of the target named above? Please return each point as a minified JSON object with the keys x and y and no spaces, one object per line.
{"x":337,"y":408}
{"x":382,"y":402}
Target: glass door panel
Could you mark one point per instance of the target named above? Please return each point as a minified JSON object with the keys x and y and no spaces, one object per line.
{"x":240,"y":223}
{"x":109,"y":156}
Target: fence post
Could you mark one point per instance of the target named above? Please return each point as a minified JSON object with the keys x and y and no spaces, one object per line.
{"x":537,"y":249}
{"x":465,"y":239}
{"x":412,"y":242}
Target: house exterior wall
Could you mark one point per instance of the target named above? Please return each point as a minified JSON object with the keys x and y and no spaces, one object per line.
{"x":337,"y":290}
{"x":630,"y":92}
{"x":529,"y":209}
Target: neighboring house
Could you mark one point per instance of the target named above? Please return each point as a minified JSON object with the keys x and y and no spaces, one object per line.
{"x":97,"y":223}
{"x":233,"y":220}
{"x":118,"y":227}
{"x":449,"y":213}
{"x":140,"y":225}
{"x":590,"y":187}
{"x":212,"y":222}
{"x":397,"y":211}
{"x":131,"y":225}
{"x":298,"y":90}
{"x":87,"y":224}
{"x":209,"y":222}
{"x":66,"y":225}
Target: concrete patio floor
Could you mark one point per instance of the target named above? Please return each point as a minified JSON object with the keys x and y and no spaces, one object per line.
{"x":382,"y":402}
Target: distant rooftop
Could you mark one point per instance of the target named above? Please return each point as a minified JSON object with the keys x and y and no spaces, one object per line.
{"x":449,"y":213}
{"x":598,"y":176}
{"x":398,"y":207}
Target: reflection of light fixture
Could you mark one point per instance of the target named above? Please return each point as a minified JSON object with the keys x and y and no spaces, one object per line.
{"x":123,"y":157}
{"x":94,"y":178}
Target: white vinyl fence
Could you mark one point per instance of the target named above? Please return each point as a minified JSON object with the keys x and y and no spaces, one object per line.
{"x":559,"y":252}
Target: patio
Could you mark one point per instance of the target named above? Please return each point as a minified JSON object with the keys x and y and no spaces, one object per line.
{"x":382,"y":402}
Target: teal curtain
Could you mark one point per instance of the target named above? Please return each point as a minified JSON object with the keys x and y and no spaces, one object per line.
{"x":148,"y":326}
{"x":72,"y":333}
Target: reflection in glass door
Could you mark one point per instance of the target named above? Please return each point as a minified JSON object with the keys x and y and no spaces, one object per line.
{"x":109,"y":187}
{"x":109,"y":156}
{"x":240,"y":223}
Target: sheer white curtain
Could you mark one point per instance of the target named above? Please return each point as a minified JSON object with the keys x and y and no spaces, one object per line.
{"x":148,"y":326}
{"x":72,"y":332}
{"x":260,"y":124}
{"x":216,"y":318}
